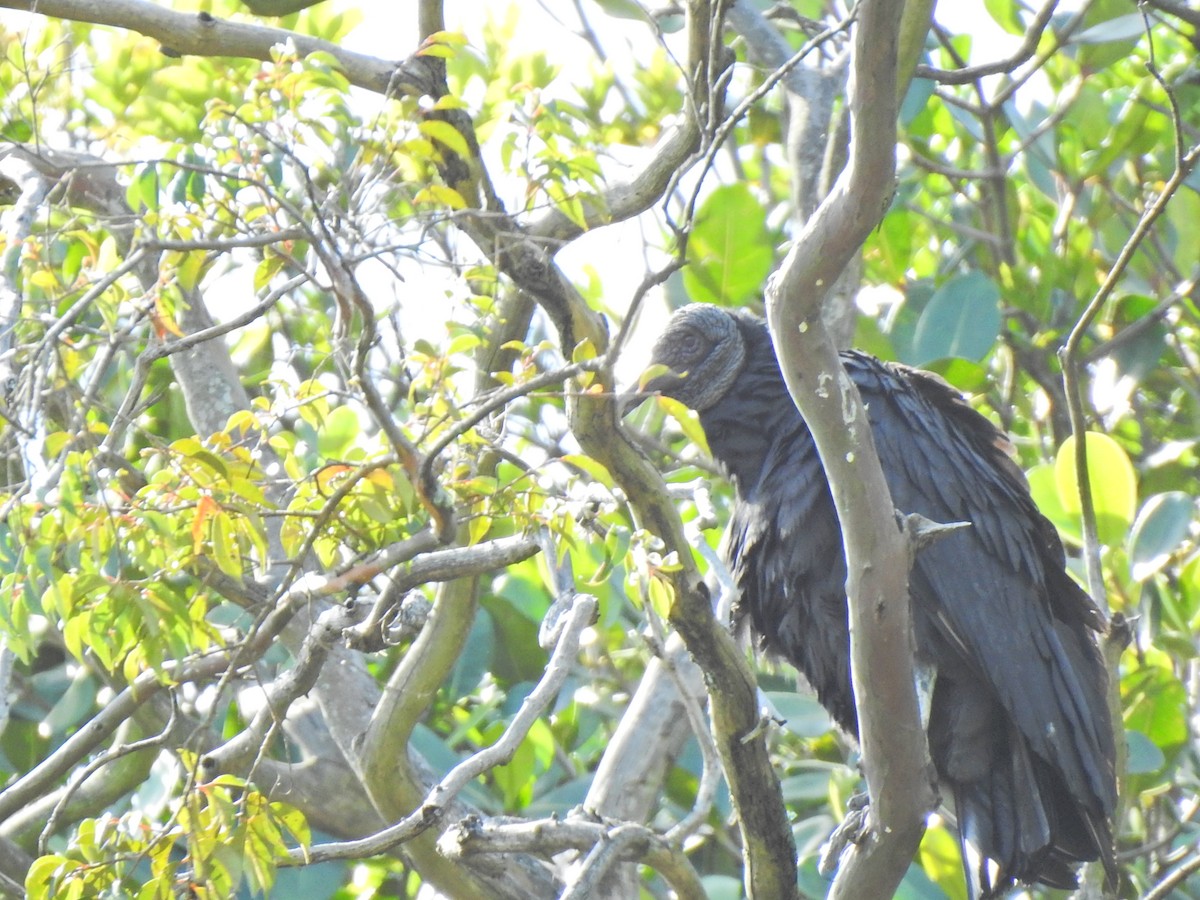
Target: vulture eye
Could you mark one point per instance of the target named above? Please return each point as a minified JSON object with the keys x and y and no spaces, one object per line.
{"x":690,"y":343}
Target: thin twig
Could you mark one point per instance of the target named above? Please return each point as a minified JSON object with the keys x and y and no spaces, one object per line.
{"x":430,"y":811}
{"x":1033,"y":37}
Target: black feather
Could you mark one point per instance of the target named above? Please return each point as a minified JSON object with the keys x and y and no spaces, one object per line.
{"x":1019,"y":728}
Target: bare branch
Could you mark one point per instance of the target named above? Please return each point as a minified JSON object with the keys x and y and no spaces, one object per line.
{"x":34,"y":782}
{"x":877,"y":559}
{"x":204,"y":35}
{"x":1177,"y":9}
{"x":431,"y":809}
{"x":1185,"y":162}
{"x":1029,"y":45}
{"x":629,"y":198}
{"x":103,"y":761}
{"x":551,"y":836}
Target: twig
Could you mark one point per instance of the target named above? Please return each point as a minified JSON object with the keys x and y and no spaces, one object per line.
{"x":1177,"y":876}
{"x":430,"y":811}
{"x":436,"y":565}
{"x":500,"y":398}
{"x":79,"y":776}
{"x":204,"y":35}
{"x":1033,"y":37}
{"x":553,"y":836}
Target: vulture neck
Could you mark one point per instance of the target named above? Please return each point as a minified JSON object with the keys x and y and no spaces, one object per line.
{"x":753,"y":415}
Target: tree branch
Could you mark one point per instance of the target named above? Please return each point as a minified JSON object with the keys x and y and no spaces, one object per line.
{"x":552,"y":836}
{"x":204,"y":35}
{"x":1029,"y":45}
{"x":431,"y":808}
{"x":895,"y":756}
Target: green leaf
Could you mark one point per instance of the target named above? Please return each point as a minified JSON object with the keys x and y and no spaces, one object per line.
{"x":1128,"y":27}
{"x":962,"y":319}
{"x":729,"y":251}
{"x":624,"y":9}
{"x":1144,"y":757}
{"x":73,"y":706}
{"x":687,"y":419}
{"x":802,"y":714}
{"x":272,"y":264}
{"x":590,"y":467}
{"x":515,"y":780}
{"x":1161,"y":526}
{"x":721,"y":887}
{"x":226,"y":553}
{"x":440,"y":195}
{"x":662,"y":596}
{"x":1156,"y":701}
{"x":1108,"y":35}
{"x":338,"y":432}
{"x":143,"y":190}
{"x":44,"y":874}
{"x":940,"y":874}
{"x":1113,"y":483}
{"x":1043,"y":487}
{"x":1007,"y":14}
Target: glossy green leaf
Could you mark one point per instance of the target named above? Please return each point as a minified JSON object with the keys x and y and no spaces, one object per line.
{"x":962,"y":319}
{"x":1161,"y":526}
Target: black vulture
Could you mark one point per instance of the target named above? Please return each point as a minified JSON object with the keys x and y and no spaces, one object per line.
{"x":1018,"y":725}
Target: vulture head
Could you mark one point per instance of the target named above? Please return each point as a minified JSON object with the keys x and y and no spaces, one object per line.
{"x":702,"y":347}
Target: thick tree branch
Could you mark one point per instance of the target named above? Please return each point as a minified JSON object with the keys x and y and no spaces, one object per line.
{"x":203,"y":35}
{"x":895,"y":757}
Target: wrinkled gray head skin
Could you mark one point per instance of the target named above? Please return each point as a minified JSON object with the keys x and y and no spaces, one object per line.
{"x":703,"y":348}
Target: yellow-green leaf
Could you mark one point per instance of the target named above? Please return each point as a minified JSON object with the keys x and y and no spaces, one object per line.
{"x":226,"y":553}
{"x":447,"y":135}
{"x":440,"y":195}
{"x":1113,"y":484}
{"x":662,"y":596}
{"x":687,"y":419}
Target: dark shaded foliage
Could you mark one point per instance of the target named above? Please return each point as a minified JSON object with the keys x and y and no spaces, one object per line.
{"x":1019,"y":730}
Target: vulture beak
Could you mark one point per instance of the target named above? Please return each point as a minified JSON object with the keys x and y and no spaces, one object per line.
{"x":656,"y":380}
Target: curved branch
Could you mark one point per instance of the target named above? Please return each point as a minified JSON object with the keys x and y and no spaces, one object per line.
{"x":895,"y":756}
{"x":432,"y":807}
{"x":202,"y":34}
{"x":629,"y":198}
{"x":1022,"y":54}
{"x":552,"y":836}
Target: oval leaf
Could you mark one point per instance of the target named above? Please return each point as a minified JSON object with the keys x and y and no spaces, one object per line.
{"x":1161,"y":526}
{"x":962,"y":319}
{"x":729,"y":252}
{"x":1113,"y":483}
